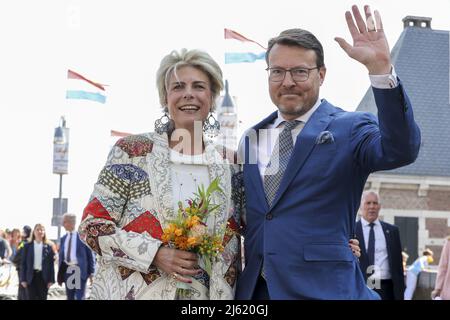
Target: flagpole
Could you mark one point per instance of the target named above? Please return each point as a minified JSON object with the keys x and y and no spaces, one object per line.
{"x":60,"y":165}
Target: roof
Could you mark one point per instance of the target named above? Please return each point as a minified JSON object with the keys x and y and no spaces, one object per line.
{"x":421,"y":60}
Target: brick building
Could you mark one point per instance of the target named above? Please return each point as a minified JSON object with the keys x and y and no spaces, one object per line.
{"x":416,"y":198}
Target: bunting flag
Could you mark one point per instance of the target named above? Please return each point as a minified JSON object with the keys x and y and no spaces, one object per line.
{"x":115,"y":133}
{"x":244,"y":49}
{"x":84,"y":88}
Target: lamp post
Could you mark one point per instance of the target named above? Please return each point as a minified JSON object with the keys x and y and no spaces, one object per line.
{"x":60,"y":166}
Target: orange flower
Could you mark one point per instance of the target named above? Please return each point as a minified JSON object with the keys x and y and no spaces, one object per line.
{"x":192,"y":221}
{"x":178,"y":232}
{"x":192,"y":241}
{"x":165,"y":237}
{"x":181,"y":243}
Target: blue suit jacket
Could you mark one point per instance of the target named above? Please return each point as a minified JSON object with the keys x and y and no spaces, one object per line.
{"x":27,"y":263}
{"x":303,"y":237}
{"x":394,"y":250}
{"x":85,"y":257}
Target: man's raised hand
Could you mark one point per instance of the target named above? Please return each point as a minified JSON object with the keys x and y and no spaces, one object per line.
{"x":370,"y":46}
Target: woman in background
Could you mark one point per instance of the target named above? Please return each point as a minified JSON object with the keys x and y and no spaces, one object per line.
{"x":442,"y":286}
{"x":37,"y":272}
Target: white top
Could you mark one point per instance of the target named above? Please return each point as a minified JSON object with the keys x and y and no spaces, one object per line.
{"x":73,"y":248}
{"x":188,"y":173}
{"x":38,"y":248}
{"x":382,"y":270}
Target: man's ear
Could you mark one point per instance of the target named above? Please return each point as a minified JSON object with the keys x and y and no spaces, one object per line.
{"x":322,"y":73}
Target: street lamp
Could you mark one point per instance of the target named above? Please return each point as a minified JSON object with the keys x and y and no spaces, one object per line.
{"x":60,"y":166}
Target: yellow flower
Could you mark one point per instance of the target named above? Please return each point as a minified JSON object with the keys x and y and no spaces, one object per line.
{"x":178,"y":232}
{"x":165,"y":237}
{"x":192,"y":221}
{"x":192,"y":241}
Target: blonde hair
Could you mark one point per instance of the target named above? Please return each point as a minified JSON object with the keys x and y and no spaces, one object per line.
{"x":44,"y":238}
{"x":193,"y":58}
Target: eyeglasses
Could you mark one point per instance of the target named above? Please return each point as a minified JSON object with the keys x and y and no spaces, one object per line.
{"x":297,"y":74}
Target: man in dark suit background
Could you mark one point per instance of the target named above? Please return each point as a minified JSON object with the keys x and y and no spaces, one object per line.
{"x":74,"y":256}
{"x":381,"y":250}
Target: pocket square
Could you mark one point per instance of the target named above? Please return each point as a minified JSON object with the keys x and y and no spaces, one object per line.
{"x":325,"y":137}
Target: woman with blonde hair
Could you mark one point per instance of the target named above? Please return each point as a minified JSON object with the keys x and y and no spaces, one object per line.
{"x":37,"y":272}
{"x":146,"y":175}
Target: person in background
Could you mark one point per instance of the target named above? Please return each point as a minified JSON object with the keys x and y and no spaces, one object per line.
{"x":17,"y":260}
{"x":442,"y":286}
{"x":414,"y":270}
{"x":405,"y":257}
{"x":5,"y":249}
{"x":74,"y":253}
{"x":381,"y":250}
{"x":14,"y":242}
{"x":37,"y":271}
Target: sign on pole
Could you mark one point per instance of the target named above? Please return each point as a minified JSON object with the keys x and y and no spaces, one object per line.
{"x":59,"y":208}
{"x":61,"y":152}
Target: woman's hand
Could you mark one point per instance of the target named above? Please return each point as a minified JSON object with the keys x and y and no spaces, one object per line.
{"x":354,"y":245}
{"x":435,"y":293}
{"x":24,"y":284}
{"x":177,"y":263}
{"x":49,"y":285}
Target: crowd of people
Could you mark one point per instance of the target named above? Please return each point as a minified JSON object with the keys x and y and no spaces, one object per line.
{"x":41,"y":262}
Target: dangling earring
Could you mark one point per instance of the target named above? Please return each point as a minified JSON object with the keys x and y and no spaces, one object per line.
{"x":211,"y":126}
{"x":163,"y":124}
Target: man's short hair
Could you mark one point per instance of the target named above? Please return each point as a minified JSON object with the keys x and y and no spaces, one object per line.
{"x":71,"y":217}
{"x":298,"y":38}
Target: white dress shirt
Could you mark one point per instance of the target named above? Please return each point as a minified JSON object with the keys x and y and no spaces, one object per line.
{"x":268,"y":138}
{"x":73,"y":248}
{"x":38,"y":248}
{"x":382,"y":270}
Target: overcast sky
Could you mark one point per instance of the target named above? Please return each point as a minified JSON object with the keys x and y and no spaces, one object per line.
{"x":120,"y":43}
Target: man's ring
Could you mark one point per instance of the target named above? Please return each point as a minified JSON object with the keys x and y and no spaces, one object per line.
{"x":372,"y":30}
{"x":174,"y":275}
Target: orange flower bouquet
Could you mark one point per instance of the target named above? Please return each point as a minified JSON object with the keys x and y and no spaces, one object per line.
{"x":189,"y":230}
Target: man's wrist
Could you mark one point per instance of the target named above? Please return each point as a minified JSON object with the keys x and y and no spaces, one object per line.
{"x":384,"y":81}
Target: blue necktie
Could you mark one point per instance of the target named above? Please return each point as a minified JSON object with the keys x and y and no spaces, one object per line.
{"x":69,"y":248}
{"x":371,"y":246}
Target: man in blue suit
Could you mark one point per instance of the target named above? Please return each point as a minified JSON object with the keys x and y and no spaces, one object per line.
{"x":307,"y":170}
{"x":76,"y":261}
{"x":381,"y":258}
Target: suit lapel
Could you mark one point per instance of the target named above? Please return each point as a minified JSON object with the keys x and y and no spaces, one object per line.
{"x":32,"y":254}
{"x":387,"y":236}
{"x":360,"y":235}
{"x":44,"y":253}
{"x":304,"y":144}
{"x":62,"y":248}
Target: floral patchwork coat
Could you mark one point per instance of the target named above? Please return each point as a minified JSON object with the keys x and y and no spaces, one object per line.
{"x":131,"y":205}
